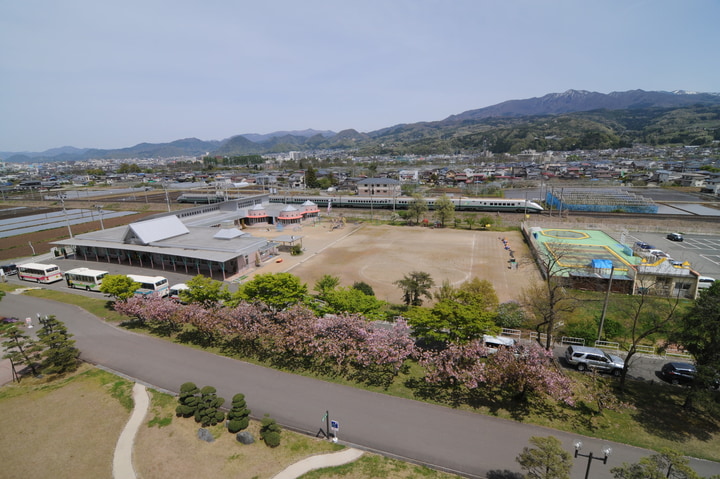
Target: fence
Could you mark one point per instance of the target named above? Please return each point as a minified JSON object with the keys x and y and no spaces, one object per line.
{"x":571,"y":340}
{"x":611,"y":345}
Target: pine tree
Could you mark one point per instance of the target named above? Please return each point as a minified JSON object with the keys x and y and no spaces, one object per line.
{"x":239,"y":415}
{"x":188,"y":400}
{"x":20,"y":348}
{"x":208,"y":412}
{"x":60,"y":354}
{"x":270,"y":431}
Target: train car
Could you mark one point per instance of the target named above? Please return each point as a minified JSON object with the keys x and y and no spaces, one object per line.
{"x":200,"y":198}
{"x":403,"y":202}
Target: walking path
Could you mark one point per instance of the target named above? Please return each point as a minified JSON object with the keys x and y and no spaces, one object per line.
{"x":318,"y":462}
{"x":123,"y":465}
{"x":122,"y":462}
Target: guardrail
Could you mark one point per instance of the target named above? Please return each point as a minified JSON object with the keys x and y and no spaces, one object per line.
{"x":571,"y":340}
{"x":611,"y":345}
{"x":515,"y":333}
{"x":642,"y":349}
{"x":676,"y":353}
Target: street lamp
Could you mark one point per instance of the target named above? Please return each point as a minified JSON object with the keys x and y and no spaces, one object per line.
{"x":99,"y":210}
{"x":67,"y":221}
{"x":606,"y":451}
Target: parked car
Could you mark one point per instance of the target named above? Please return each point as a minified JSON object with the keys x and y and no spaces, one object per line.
{"x":643,"y":245}
{"x":9,"y":269}
{"x":705,"y":282}
{"x":682,"y":373}
{"x":492,"y":343}
{"x":675,"y":237}
{"x":585,"y":357}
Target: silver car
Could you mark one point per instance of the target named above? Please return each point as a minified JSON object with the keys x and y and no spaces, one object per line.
{"x":585,"y":357}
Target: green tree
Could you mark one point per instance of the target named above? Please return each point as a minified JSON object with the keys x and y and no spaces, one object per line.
{"x":270,"y":431}
{"x":311,"y":180}
{"x":417,"y":207}
{"x":460,"y":315}
{"x":239,"y":414}
{"x":128,"y":168}
{"x":414,"y":286}
{"x":510,"y":315}
{"x":326,"y":284}
{"x":364,"y":287}
{"x":276,"y":290}
{"x":60,"y":354}
{"x":205,"y":291}
{"x":698,"y":331}
{"x":444,"y":209}
{"x":20,"y":348}
{"x":208,"y":411}
{"x":188,"y":400}
{"x":353,"y":300}
{"x":119,"y":286}
{"x":470,"y":220}
{"x":668,"y":464}
{"x":547,"y":460}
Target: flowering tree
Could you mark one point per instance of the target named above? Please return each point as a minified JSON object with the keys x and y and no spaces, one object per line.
{"x":529,"y":372}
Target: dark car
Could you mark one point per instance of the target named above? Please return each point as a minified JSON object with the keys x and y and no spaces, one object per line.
{"x":675,"y":237}
{"x":9,"y":269}
{"x":678,"y":373}
{"x":682,"y":373}
{"x":643,"y":245}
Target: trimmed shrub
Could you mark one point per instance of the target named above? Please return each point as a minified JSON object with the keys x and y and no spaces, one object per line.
{"x":207,"y":412}
{"x":270,"y":431}
{"x":239,"y":415}
{"x":188,"y":400}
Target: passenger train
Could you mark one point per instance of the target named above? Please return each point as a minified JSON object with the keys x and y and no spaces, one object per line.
{"x":402,"y":202}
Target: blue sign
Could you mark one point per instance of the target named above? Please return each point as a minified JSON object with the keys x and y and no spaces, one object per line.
{"x":334,"y":424}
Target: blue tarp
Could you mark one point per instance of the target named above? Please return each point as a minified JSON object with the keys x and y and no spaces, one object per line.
{"x":602,"y":263}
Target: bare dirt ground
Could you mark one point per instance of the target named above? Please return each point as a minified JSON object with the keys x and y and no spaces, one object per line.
{"x":381,"y":254}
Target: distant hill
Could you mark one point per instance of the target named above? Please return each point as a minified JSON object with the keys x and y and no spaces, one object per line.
{"x":557,"y":121}
{"x":581,"y":100}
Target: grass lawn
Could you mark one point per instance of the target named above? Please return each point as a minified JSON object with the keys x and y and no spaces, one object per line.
{"x":647,"y":415}
{"x":67,"y":428}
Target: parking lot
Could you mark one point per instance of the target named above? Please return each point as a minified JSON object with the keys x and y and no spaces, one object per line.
{"x":701,"y":251}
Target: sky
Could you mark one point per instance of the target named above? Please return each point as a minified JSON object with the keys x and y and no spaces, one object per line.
{"x":96,"y":74}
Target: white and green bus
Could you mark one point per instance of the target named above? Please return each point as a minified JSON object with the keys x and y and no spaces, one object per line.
{"x":85,"y":278}
{"x":150,"y":285}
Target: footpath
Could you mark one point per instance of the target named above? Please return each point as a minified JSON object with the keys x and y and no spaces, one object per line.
{"x":123,"y":465}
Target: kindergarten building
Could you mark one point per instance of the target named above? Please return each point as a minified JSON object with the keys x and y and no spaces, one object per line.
{"x":592,"y":260}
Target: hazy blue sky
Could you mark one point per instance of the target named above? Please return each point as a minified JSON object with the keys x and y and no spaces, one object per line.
{"x":92,"y":73}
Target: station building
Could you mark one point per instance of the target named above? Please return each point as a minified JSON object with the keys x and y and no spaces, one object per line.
{"x":214,"y":240}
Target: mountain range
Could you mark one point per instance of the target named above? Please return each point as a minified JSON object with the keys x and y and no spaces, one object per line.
{"x":558,"y":121}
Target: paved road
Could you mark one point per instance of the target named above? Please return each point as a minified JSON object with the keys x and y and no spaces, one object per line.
{"x":461,"y":441}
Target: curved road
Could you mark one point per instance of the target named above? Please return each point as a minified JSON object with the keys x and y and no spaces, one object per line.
{"x":463,"y":442}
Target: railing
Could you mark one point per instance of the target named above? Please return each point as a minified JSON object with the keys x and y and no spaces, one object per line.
{"x":571,"y":340}
{"x":643,"y":349}
{"x":515,"y":333}
{"x":677,"y":353}
{"x":607,"y":345}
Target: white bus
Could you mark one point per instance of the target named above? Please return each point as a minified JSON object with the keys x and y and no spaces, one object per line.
{"x":150,"y":285}
{"x":176,"y":289}
{"x":40,"y":273}
{"x":85,"y":278}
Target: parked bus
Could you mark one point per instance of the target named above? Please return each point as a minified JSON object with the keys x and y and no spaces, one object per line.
{"x":150,"y":285}
{"x":40,"y":273}
{"x":176,"y":289}
{"x":85,"y":278}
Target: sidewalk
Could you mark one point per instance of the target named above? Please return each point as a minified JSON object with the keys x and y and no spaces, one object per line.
{"x":122,"y":461}
{"x":318,"y":462}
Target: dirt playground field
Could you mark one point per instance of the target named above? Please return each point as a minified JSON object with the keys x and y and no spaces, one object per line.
{"x":381,"y":255}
